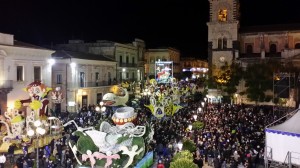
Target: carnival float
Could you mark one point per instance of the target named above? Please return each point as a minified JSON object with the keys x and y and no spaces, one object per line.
{"x":19,"y":123}
{"x":113,"y":145}
{"x":166,"y":100}
{"x":117,"y":97}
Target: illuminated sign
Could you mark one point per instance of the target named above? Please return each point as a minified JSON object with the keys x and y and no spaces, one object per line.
{"x":164,"y":71}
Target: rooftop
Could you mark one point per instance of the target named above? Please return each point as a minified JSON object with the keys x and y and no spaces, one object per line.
{"x":270,"y":28}
{"x":80,"y":55}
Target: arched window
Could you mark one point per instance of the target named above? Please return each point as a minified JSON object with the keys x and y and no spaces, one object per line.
{"x":224,"y":43}
{"x":151,"y":60}
{"x":222,"y":15}
{"x":249,"y":49}
{"x":273,"y":48}
{"x":220,"y":43}
{"x":297,"y":46}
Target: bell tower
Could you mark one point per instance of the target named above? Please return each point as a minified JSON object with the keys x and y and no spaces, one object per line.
{"x":223,"y":28}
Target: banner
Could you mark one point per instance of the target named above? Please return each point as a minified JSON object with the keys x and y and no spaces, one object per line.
{"x":146,"y":162}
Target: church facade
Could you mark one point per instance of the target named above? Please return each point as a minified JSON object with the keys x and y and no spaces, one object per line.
{"x":228,"y":42}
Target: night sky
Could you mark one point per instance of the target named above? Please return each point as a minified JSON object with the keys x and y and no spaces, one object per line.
{"x":161,"y":23}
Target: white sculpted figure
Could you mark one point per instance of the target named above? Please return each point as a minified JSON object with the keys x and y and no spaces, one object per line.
{"x":131,"y":153}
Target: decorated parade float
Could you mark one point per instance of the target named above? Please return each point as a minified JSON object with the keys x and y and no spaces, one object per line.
{"x":28,"y":123}
{"x":117,"y":97}
{"x":121,"y":144}
{"x":166,"y":99}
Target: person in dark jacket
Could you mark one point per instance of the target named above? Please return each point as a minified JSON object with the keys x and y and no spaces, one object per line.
{"x":198,"y":161}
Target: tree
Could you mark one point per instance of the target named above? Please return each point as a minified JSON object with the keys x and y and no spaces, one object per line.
{"x":183,"y":163}
{"x":183,"y":154}
{"x":235,"y":75}
{"x":228,"y":78}
{"x":189,"y":145}
{"x":259,"y":79}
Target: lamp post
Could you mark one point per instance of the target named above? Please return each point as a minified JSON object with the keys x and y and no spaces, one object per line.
{"x":236,"y":98}
{"x":102,"y":108}
{"x":190,"y":127}
{"x":2,"y":160}
{"x":39,"y":131}
{"x":195,"y":117}
{"x":180,"y":145}
{"x":199,"y":110}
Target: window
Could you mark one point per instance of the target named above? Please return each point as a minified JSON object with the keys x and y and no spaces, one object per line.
{"x":297,"y":46}
{"x":127,"y":60}
{"x":82,"y":79}
{"x":58,"y":79}
{"x":224,"y":43}
{"x":120,"y":76}
{"x":109,"y":78}
{"x":133,"y":60}
{"x":127,"y":75}
{"x":249,"y":49}
{"x":120,"y":60}
{"x":219,"y":43}
{"x":37,"y":73}
{"x":132,"y":75}
{"x":152,"y":60}
{"x":97,"y":78}
{"x":20,"y":75}
{"x":273,"y":48}
{"x":84,"y":101}
{"x":222,"y":15}
{"x":99,"y":98}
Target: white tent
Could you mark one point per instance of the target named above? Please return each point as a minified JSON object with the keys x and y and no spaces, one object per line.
{"x":284,"y":138}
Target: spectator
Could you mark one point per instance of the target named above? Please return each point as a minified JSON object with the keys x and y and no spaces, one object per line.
{"x":160,"y":164}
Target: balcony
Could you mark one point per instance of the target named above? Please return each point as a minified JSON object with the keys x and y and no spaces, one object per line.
{"x":90,"y":84}
{"x":258,"y":55}
{"x":6,"y":85}
{"x":127,"y":65}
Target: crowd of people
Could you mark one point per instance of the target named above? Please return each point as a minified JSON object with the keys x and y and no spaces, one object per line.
{"x":232,"y":136}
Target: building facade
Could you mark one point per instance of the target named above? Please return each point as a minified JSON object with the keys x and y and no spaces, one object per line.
{"x":198,"y":68}
{"x":129,"y":57}
{"x":223,"y":27}
{"x":20,"y":65}
{"x":164,"y":54}
{"x":83,"y":78}
{"x":228,"y":43}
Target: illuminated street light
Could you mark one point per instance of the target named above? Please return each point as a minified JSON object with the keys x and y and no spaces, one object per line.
{"x":2,"y":159}
{"x":73,"y":64}
{"x":190,"y":127}
{"x":51,"y":61}
{"x":195,"y":117}
{"x":180,"y":145}
{"x":102,"y":108}
{"x":199,"y":110}
{"x":39,"y":131}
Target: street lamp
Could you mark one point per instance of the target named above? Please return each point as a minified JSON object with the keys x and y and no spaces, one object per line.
{"x":102,"y":108}
{"x":39,"y":131}
{"x":180,"y":145}
{"x":2,"y":160}
{"x":199,"y":110}
{"x":236,"y":97}
{"x":190,"y":127}
{"x":203,"y":104}
{"x":195,"y":117}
